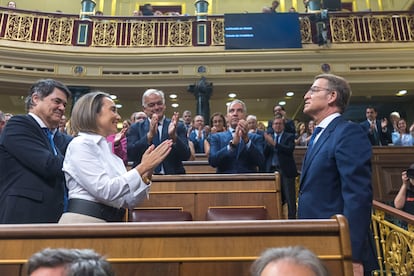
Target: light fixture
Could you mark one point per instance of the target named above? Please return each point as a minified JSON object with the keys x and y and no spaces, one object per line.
{"x":290,"y":94}
{"x":232,"y":95}
{"x":118,"y":105}
{"x":113,"y":97}
{"x":175,"y":105}
{"x":401,"y":93}
{"x":282,"y":103}
{"x":173,"y":96}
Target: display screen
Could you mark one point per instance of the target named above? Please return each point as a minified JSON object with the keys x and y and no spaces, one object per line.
{"x":262,"y":31}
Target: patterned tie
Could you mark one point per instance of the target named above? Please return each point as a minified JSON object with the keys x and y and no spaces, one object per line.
{"x":314,"y":134}
{"x":49,"y":135}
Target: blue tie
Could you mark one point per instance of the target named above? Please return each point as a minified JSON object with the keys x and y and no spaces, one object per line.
{"x":49,"y":135}
{"x":314,"y":134}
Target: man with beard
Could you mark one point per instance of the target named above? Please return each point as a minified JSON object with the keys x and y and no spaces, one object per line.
{"x":31,"y":158}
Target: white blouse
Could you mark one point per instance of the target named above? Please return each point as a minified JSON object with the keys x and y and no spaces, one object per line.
{"x":94,"y":173}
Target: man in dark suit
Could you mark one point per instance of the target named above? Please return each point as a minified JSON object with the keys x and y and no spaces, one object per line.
{"x":336,"y":171}
{"x":376,"y":130}
{"x":198,"y":134}
{"x":31,"y":178}
{"x":279,"y":157}
{"x":156,"y":129}
{"x":236,"y":150}
{"x":279,"y":110}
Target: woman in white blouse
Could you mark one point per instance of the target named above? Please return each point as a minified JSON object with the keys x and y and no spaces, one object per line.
{"x":99,"y":186}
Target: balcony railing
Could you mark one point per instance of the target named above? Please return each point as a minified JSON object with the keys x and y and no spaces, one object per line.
{"x":181,"y":31}
{"x":394,"y":238}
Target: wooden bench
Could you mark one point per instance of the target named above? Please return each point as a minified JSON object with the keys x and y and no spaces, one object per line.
{"x":198,"y":166}
{"x":195,"y":193}
{"x":225,"y":248}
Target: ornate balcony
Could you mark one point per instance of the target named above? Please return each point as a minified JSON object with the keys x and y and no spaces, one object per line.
{"x":181,"y":31}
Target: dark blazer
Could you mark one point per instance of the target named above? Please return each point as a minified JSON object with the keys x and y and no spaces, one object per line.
{"x":384,"y":138}
{"x":137,"y":144}
{"x":31,"y":178}
{"x":284,"y":150}
{"x":198,"y":144}
{"x":238,"y":160}
{"x":289,"y":126}
{"x":336,"y":179}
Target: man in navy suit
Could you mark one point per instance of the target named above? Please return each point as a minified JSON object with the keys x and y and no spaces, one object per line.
{"x":279,"y":157}
{"x":236,"y":150}
{"x":336,"y":171}
{"x":31,"y":178}
{"x":156,"y":129}
{"x":376,"y":130}
{"x":198,"y":134}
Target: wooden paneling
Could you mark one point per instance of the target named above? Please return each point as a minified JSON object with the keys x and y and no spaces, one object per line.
{"x":196,"y":192}
{"x":206,"y":248}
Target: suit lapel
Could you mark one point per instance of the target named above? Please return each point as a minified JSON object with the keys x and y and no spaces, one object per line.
{"x":317,"y":147}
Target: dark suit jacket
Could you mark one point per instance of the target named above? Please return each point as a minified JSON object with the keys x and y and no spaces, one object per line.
{"x":289,"y":126}
{"x":137,"y":144}
{"x":384,"y":138}
{"x":284,"y":150}
{"x":198,"y":144}
{"x":239,"y":160}
{"x":31,"y":178}
{"x":336,"y":179}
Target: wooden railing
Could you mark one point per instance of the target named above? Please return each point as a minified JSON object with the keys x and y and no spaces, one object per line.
{"x":181,"y":248}
{"x":394,"y":239}
{"x":181,"y":31}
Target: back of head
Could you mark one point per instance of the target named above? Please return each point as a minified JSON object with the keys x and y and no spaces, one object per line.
{"x":76,"y":262}
{"x":298,"y":255}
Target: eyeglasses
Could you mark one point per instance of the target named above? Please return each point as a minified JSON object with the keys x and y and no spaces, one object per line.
{"x":315,"y":89}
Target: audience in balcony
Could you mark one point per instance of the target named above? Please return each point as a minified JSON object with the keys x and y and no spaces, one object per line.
{"x":281,"y":261}
{"x":11,"y":5}
{"x":376,"y":130}
{"x":274,"y":6}
{"x":405,"y":197}
{"x":403,"y":137}
{"x":154,"y":130}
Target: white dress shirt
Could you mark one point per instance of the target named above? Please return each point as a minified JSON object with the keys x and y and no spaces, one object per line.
{"x":94,"y":173}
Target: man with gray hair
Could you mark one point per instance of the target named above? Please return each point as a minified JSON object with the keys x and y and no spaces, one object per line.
{"x":68,"y":262}
{"x":283,"y":261}
{"x":156,"y":129}
{"x":236,"y":150}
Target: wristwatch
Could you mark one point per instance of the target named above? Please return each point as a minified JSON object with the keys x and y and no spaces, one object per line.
{"x":232,"y":146}
{"x":146,"y":179}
